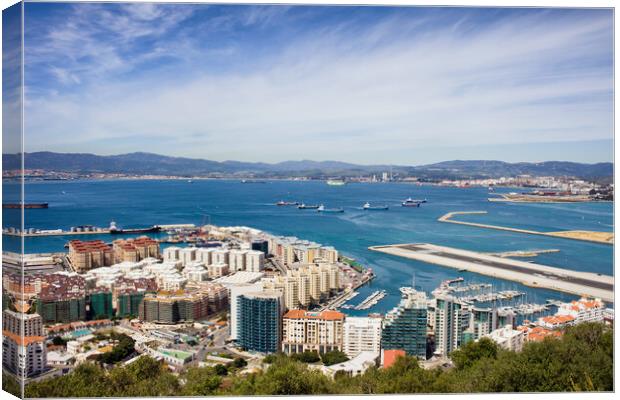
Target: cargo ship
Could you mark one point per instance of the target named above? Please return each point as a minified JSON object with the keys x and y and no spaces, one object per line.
{"x":26,"y":205}
{"x":114,"y":230}
{"x":368,"y":207}
{"x":329,"y":210}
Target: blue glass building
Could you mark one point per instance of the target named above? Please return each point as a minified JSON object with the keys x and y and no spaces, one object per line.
{"x":404,"y":328}
{"x":259,"y":316}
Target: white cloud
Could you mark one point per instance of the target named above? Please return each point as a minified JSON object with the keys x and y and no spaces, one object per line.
{"x":526,"y":79}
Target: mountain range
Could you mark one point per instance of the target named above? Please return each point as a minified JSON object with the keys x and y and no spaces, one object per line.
{"x":154,"y":164}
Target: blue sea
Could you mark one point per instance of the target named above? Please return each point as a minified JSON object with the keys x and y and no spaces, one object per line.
{"x":139,"y":203}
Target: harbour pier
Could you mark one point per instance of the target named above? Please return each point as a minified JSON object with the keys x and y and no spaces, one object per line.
{"x":530,"y":274}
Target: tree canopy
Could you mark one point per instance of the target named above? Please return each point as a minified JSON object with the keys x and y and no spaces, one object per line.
{"x":580,"y":361}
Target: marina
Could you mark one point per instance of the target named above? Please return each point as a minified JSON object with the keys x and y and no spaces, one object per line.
{"x":530,"y":274}
{"x":371,"y":300}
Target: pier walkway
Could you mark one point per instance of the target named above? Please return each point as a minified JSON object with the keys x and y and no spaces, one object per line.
{"x":530,"y":274}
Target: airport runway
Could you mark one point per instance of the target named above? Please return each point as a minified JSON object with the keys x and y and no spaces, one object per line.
{"x":535,"y":275}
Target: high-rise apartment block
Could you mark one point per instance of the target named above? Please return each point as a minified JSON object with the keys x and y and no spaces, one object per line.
{"x":259,"y":321}
{"x":405,"y":326}
{"x":361,"y":334}
{"x":23,"y":343}
{"x":312,"y":331}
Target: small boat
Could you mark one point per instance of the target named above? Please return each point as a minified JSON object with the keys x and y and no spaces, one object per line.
{"x":368,"y":207}
{"x":322,"y":209}
{"x":287,"y":203}
{"x":304,"y":206}
{"x":412,"y":203}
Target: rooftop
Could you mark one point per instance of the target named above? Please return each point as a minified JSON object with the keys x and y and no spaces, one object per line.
{"x":327,"y":315}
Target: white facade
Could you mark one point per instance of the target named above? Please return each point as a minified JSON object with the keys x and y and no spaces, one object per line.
{"x":361,"y":334}
{"x":218,"y":270}
{"x":171,"y":253}
{"x":508,"y":338}
{"x":26,"y":358}
{"x":237,"y":260}
{"x":254,"y":261}
{"x":205,"y":256}
{"x":187,"y":255}
{"x":236,"y":290}
{"x":220,"y":256}
{"x":583,"y":310}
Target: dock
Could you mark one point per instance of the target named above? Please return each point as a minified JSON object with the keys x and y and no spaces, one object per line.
{"x":588,"y":236}
{"x":530,"y":274}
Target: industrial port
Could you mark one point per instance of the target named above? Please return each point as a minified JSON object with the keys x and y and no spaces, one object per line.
{"x":530,"y":274}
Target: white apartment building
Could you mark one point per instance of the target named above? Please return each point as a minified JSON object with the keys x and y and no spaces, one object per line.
{"x":205,"y":255}
{"x":361,"y":334}
{"x":171,"y":253}
{"x":187,"y":255}
{"x":220,"y":256}
{"x":237,"y":260}
{"x":254,"y":261}
{"x":25,"y":355}
{"x":312,"y":331}
{"x":508,"y":338}
{"x":218,"y":270}
{"x":195,"y":272}
{"x":583,"y":310}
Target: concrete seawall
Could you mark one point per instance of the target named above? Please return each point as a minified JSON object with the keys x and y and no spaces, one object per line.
{"x":594,"y":237}
{"x":530,"y":274}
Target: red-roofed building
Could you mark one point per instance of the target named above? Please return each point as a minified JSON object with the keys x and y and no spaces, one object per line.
{"x":88,"y":255}
{"x":312,"y":331}
{"x":134,"y":250}
{"x":583,"y":310}
{"x":556,"y":321}
{"x":389,"y":357}
{"x":538,"y":333}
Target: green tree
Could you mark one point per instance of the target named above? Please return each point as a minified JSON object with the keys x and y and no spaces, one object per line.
{"x":471,"y":352}
{"x":10,"y":385}
{"x":220,"y":370}
{"x":334,"y":357}
{"x":202,"y":381}
{"x":58,"y":341}
{"x":307,"y":357}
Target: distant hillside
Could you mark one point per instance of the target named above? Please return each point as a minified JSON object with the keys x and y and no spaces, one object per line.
{"x":500,"y":168}
{"x":154,"y":164}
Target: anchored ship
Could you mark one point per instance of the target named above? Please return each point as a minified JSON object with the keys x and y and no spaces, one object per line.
{"x":26,"y":205}
{"x":412,"y":203}
{"x":336,"y":182}
{"x":287,"y":203}
{"x":368,"y":207}
{"x":329,"y":210}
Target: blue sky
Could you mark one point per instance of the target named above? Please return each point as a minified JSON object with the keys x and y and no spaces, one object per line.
{"x":359,"y":84}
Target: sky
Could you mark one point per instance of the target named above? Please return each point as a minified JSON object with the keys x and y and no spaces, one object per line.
{"x":369,"y":85}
